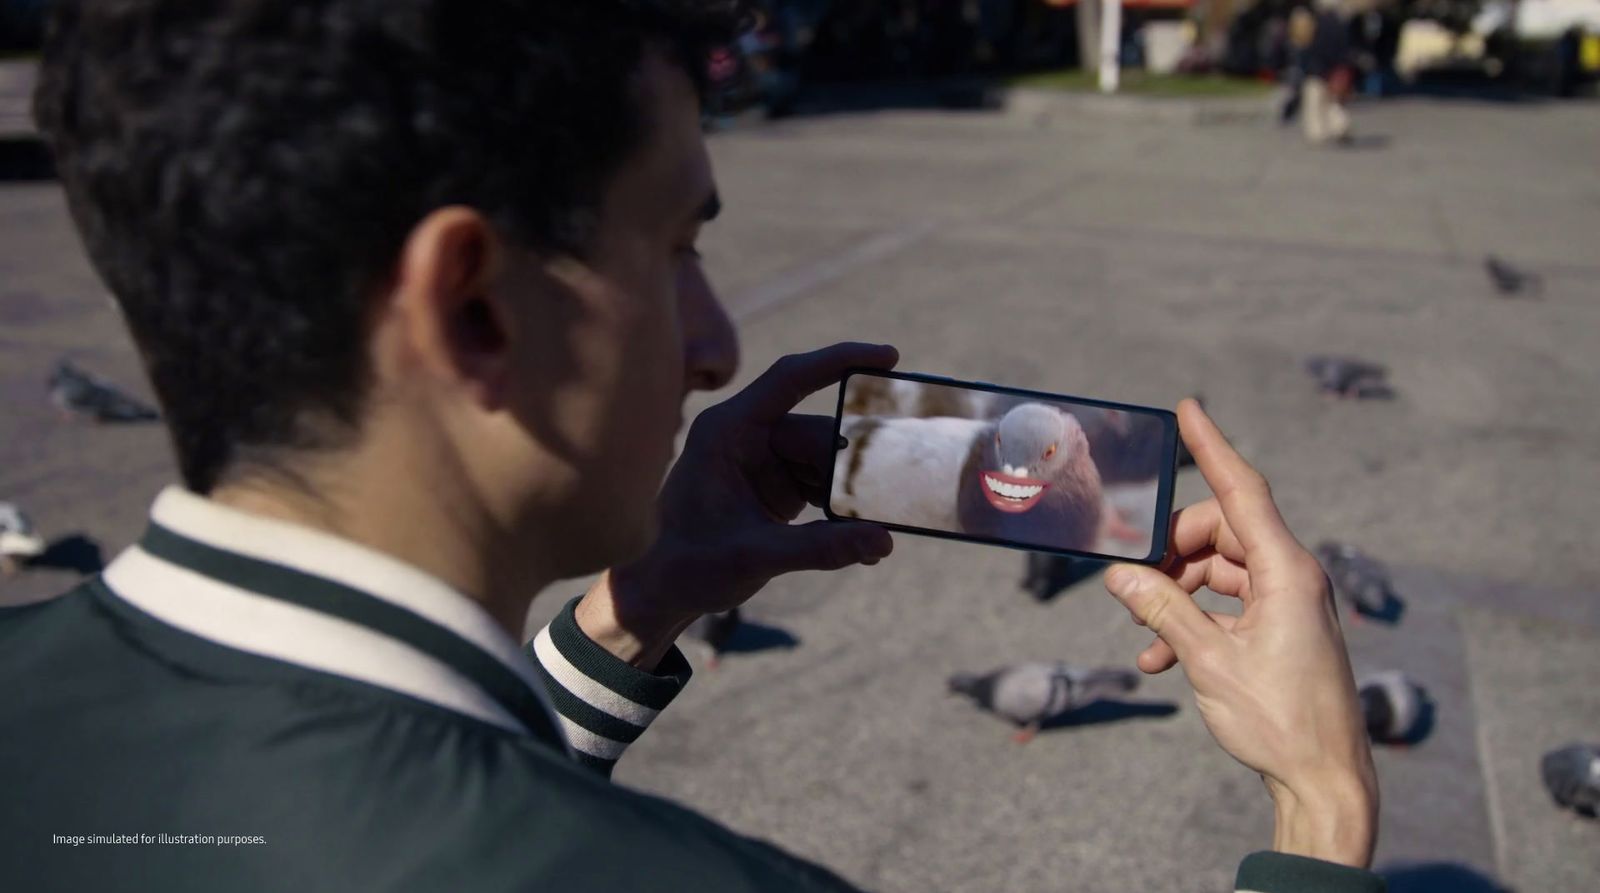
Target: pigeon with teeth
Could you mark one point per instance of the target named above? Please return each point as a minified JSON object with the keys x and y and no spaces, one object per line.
{"x":78,"y":393}
{"x":1027,"y":476}
{"x":18,"y":540}
{"x":1032,"y":480}
{"x":1034,"y":694}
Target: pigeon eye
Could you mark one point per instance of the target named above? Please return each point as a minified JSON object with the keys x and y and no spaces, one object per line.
{"x":1050,"y":451}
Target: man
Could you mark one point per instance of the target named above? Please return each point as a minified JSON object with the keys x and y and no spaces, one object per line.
{"x":415,"y":282}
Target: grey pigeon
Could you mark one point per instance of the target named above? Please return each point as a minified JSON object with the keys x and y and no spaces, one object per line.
{"x":1030,"y":478}
{"x":1393,"y":706}
{"x":76,"y":392}
{"x":714,"y":630}
{"x":1032,"y":694}
{"x":1358,"y":579}
{"x":1349,"y":377}
{"x":1048,"y":574}
{"x":1510,"y":282}
{"x":18,"y":539}
{"x":1572,"y":776}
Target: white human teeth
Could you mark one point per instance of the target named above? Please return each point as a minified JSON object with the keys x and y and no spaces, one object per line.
{"x":1012,"y":491}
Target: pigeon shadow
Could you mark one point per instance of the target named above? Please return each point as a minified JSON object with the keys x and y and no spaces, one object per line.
{"x":1365,"y":391}
{"x":750,"y":637}
{"x":1393,"y":609}
{"x":75,"y":553}
{"x":1367,"y":142}
{"x":1438,"y":877}
{"x":1102,"y":712}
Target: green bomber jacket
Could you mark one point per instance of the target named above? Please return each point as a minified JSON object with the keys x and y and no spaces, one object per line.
{"x":246,"y":705}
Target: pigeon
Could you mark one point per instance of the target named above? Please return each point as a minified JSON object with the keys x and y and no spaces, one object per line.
{"x":76,"y":392}
{"x":1358,"y":579}
{"x":1032,"y":694}
{"x":1510,"y":282}
{"x":1393,"y":706}
{"x":1026,"y":477}
{"x":1031,"y":479}
{"x":1047,"y":573}
{"x":873,"y":395}
{"x":18,"y":540}
{"x":1572,"y":776}
{"x":1349,"y":377}
{"x":714,"y":630}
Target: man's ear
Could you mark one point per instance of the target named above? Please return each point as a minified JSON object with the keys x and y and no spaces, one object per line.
{"x":444,"y":300}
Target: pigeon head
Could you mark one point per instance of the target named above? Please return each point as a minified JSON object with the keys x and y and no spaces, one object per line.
{"x":1031,"y":443}
{"x":62,"y":373}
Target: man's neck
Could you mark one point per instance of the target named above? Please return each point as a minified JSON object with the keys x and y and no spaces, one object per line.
{"x":442,"y":537}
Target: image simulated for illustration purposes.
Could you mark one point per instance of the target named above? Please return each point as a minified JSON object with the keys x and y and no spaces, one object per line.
{"x":1050,"y":473}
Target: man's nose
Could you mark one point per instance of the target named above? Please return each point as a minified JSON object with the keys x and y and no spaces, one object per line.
{"x":712,"y":344}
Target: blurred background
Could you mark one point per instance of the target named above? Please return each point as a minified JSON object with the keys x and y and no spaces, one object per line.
{"x":1365,"y":232}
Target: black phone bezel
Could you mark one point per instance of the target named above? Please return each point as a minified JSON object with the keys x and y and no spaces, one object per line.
{"x":1164,"y":494}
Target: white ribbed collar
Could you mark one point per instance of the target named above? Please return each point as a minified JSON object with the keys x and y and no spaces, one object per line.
{"x":227,"y":614}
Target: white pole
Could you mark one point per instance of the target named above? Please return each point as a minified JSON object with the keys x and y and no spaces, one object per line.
{"x":1110,"y":42}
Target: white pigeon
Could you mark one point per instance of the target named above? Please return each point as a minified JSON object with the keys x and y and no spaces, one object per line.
{"x":17,"y":538}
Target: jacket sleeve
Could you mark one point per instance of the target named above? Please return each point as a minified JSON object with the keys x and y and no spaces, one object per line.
{"x":602,"y":703}
{"x":1269,"y":872}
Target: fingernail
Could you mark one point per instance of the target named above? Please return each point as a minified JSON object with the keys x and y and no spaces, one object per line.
{"x":1120,"y":580}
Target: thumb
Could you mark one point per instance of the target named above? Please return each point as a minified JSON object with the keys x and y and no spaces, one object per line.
{"x":819,"y":546}
{"x":1166,"y":608}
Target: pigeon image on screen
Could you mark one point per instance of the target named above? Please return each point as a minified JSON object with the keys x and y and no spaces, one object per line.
{"x":1000,"y":466}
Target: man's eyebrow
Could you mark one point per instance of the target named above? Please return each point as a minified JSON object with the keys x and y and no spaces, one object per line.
{"x":710,"y":208}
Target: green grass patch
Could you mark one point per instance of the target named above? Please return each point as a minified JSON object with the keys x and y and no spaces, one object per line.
{"x":1140,"y":83}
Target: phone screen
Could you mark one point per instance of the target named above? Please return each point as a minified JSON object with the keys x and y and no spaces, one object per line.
{"x":1005,"y":466}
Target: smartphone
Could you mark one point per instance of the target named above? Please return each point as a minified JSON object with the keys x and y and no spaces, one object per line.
{"x":1004,"y":466}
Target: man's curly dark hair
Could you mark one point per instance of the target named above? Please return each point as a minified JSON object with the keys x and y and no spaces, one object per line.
{"x":245,"y":172}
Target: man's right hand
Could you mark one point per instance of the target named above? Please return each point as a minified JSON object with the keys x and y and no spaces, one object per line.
{"x":1273,"y":683}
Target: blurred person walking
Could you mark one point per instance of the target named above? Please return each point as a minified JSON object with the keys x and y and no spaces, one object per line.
{"x":1321,"y":40}
{"x":1374,"y":43}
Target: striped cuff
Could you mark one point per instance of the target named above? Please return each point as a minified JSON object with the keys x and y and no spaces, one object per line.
{"x":603,"y":703}
{"x":1269,"y":872}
